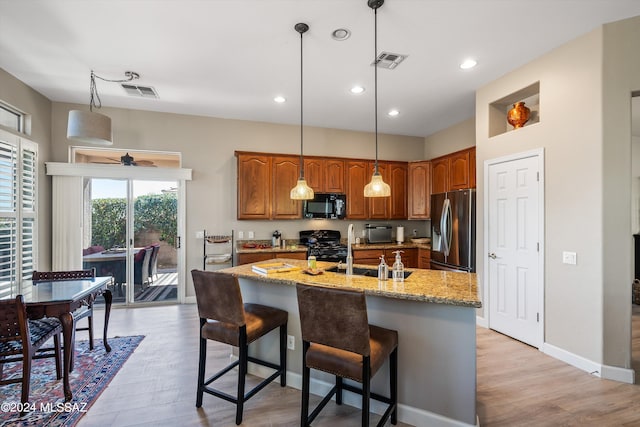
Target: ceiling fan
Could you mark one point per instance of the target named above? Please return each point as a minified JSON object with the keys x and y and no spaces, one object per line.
{"x":126,"y":160}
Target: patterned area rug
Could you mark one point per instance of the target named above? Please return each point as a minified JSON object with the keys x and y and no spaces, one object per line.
{"x":93,"y":371}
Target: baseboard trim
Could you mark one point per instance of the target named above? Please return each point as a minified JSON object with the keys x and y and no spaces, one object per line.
{"x":406,"y":414}
{"x":597,"y":369}
{"x":482,"y":322}
{"x":190,"y":300}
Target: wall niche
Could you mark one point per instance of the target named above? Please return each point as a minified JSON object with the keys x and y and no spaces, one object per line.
{"x":498,"y":109}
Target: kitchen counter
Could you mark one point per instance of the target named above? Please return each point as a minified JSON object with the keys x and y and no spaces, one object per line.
{"x":434,"y":313}
{"x":434,"y":286}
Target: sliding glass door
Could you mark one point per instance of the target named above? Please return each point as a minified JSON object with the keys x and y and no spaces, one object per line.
{"x":130,"y":232}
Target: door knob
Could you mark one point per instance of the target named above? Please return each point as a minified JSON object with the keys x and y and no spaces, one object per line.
{"x":492,"y":255}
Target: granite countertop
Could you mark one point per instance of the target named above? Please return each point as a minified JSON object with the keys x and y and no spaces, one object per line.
{"x":430,"y":286}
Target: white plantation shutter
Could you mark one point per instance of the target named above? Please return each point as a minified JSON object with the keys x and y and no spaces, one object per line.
{"x":18,"y":195}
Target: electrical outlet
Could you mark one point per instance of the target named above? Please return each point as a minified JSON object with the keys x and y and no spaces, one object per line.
{"x":569,"y":258}
{"x":199,"y":234}
{"x":240,"y":234}
{"x":251,"y":235}
{"x":291,"y":342}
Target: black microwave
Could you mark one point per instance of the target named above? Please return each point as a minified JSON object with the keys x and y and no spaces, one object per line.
{"x":325,"y":205}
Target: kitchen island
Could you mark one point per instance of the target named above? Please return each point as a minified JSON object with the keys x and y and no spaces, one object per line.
{"x":434,"y":314}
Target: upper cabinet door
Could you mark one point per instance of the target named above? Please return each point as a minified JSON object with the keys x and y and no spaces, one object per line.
{"x":439,"y":175}
{"x":254,"y":186}
{"x":459,"y":170}
{"x":285,"y":177}
{"x":398,"y":182}
{"x":472,"y":167}
{"x":334,"y":176}
{"x":419,"y":190}
{"x":314,"y":174}
{"x":357,"y":176}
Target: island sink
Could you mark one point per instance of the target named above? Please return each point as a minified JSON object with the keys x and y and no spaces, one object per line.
{"x":369,"y":272}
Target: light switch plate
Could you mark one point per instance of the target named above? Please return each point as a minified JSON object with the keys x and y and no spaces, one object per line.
{"x":199,"y":234}
{"x":569,"y":258}
{"x":240,"y":234}
{"x":251,"y":236}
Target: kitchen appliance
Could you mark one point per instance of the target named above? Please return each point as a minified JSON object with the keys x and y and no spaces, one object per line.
{"x":325,"y":245}
{"x":325,"y":205}
{"x":378,"y":233}
{"x":453,"y":233}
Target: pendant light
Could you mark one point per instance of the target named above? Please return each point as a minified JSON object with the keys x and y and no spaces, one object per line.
{"x":377,"y":187}
{"x":301,"y":191}
{"x":88,"y":126}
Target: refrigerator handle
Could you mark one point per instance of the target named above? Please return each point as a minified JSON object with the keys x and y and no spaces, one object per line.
{"x":444,"y":226}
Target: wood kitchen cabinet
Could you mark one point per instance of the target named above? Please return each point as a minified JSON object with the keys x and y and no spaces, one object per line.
{"x":356,"y":177}
{"x":398,"y":176}
{"x":264,"y":186}
{"x":459,"y":170}
{"x":372,"y":256}
{"x":455,"y":171}
{"x":254,"y":186}
{"x":424,"y":258}
{"x":439,"y":175}
{"x":248,"y":258}
{"x":285,"y":177}
{"x":419,"y":190}
{"x":324,"y":175}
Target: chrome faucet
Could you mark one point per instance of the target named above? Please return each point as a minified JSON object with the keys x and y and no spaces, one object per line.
{"x":350,"y":241}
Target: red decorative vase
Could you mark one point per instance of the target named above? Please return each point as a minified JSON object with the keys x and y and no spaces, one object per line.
{"x":518,"y":115}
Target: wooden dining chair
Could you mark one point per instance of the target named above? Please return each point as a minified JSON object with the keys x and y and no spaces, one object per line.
{"x":22,"y":340}
{"x":84,"y":311}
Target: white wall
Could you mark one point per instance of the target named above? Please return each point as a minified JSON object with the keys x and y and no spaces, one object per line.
{"x":584,"y":128}
{"x":635,"y":184}
{"x":570,"y":131}
{"x":454,"y":138}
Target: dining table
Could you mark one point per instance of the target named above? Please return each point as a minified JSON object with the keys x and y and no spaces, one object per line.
{"x":109,"y":262}
{"x":60,"y":299}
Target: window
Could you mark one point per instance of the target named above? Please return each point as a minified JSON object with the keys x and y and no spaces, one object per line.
{"x":11,"y":118}
{"x":18,"y":195}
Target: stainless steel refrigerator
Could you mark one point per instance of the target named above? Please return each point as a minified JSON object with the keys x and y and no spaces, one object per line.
{"x":453,"y":231}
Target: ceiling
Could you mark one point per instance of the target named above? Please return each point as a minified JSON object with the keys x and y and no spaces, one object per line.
{"x":230,"y":58}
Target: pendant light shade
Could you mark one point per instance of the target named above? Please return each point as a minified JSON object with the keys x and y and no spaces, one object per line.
{"x":377,"y":187}
{"x":90,"y":127}
{"x":301,"y":191}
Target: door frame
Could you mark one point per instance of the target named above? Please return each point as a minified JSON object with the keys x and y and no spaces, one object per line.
{"x":89,"y":170}
{"x":539,"y":153}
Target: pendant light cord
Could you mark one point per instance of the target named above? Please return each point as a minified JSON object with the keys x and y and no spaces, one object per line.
{"x":375,"y":78}
{"x":94,"y":98}
{"x":301,"y":114}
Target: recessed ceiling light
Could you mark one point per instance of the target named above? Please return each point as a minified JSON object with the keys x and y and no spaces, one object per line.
{"x":356,"y":90}
{"x":340,"y":34}
{"x":468,"y":63}
{"x":393,"y":113}
{"x":279,"y":99}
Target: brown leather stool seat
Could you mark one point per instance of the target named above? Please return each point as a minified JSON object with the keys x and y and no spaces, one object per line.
{"x":337,"y":339}
{"x":225,"y":318}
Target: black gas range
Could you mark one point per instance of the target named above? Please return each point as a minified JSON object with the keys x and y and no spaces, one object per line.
{"x":324,"y":245}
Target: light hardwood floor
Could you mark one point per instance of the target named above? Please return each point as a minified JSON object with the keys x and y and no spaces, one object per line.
{"x":517,"y":384}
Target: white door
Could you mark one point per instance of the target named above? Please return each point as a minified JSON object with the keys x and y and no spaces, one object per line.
{"x":513,"y":216}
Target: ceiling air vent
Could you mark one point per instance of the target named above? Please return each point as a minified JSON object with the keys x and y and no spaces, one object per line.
{"x":389,"y":60}
{"x":141,"y":91}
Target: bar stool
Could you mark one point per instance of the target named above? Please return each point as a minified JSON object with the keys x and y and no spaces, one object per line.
{"x":225,"y":318}
{"x":337,"y":339}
